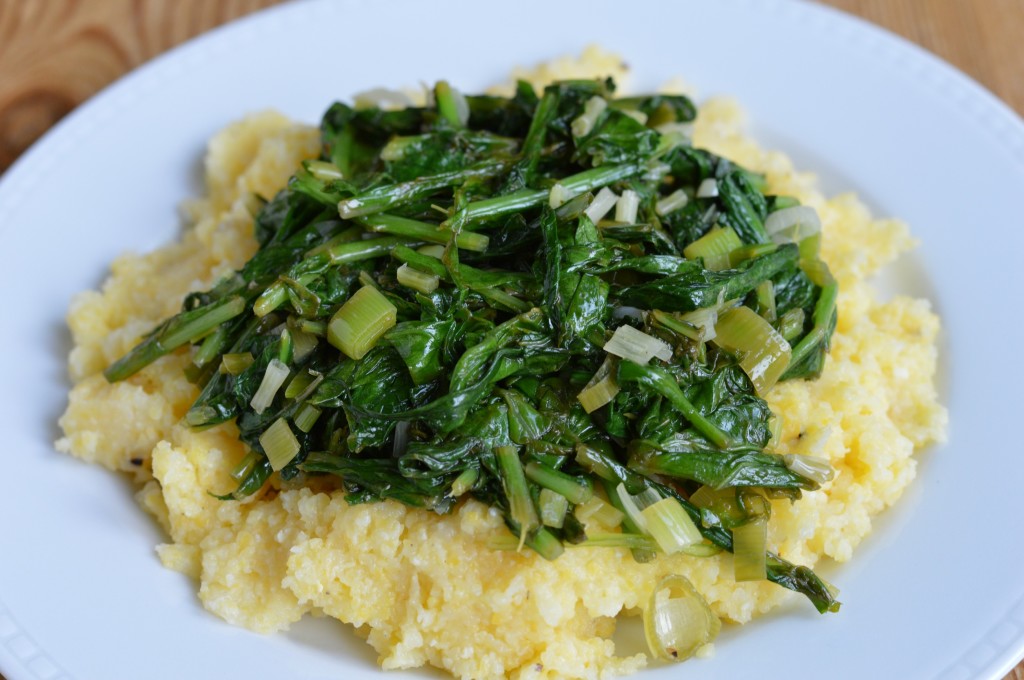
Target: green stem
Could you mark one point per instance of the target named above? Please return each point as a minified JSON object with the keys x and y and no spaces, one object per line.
{"x":575,"y":489}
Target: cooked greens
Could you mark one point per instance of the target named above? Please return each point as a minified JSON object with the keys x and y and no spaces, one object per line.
{"x":516,"y":299}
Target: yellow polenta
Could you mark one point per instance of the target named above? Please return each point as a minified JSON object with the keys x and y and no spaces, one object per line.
{"x":427,"y":589}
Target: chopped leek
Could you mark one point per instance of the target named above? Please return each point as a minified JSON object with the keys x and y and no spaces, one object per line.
{"x":553,"y":507}
{"x":748,"y":547}
{"x":674,"y":201}
{"x":791,"y":325}
{"x":601,"y":389}
{"x":629,"y":343}
{"x":584,"y":123}
{"x":708,"y":188}
{"x":279,"y":443}
{"x":765,"y":292}
{"x":417,"y":280}
{"x":764,"y":354}
{"x":275,"y":375}
{"x":322,"y":170}
{"x":669,"y":525}
{"x":235,"y":363}
{"x":627,"y":206}
{"x":792,"y":225}
{"x":714,"y":248}
{"x":677,"y":620}
{"x":603,"y":202}
{"x":303,"y":344}
{"x":306,"y":417}
{"x":600,"y":511}
{"x":810,"y":467}
{"x":357,"y":326}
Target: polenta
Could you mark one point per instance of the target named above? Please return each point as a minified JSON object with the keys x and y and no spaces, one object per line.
{"x":431,"y":589}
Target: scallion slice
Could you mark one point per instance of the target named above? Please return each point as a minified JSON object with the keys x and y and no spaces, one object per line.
{"x":674,"y":201}
{"x":601,"y":389}
{"x":302,"y":344}
{"x":669,"y":525}
{"x":764,"y":354}
{"x":627,"y":206}
{"x":600,"y":511}
{"x":630,"y":343}
{"x":677,"y":620}
{"x":603,"y":202}
{"x":708,"y":188}
{"x":417,"y":280}
{"x":714,"y":248}
{"x":810,"y":467}
{"x":553,"y":507}
{"x":273,"y":378}
{"x":279,"y":443}
{"x":792,"y":225}
{"x":748,"y":547}
{"x":306,"y":417}
{"x":236,"y":362}
{"x":584,"y":123}
{"x":357,"y":326}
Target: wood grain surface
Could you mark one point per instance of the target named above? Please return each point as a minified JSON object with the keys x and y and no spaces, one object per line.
{"x":54,"y":54}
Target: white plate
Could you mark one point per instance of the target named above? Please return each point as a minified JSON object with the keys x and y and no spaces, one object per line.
{"x":937,"y":591}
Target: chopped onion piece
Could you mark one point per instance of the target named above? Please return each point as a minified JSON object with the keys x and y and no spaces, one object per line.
{"x":601,"y":389}
{"x":584,"y":123}
{"x":677,"y":620}
{"x":273,"y":378}
{"x":748,"y":546}
{"x":674,"y":201}
{"x":670,"y":526}
{"x":629,"y":343}
{"x":708,"y":188}
{"x":810,"y":467}
{"x":626,"y":207}
{"x":279,"y":443}
{"x":792,"y":225}
{"x":603,"y":202}
{"x":553,"y":507}
{"x":359,"y":323}
{"x":764,"y":354}
{"x":417,"y":280}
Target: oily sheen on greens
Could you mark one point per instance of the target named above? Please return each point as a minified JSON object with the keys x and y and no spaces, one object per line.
{"x":480,"y":374}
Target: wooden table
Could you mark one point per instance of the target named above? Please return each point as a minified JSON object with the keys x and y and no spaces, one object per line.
{"x":56,"y":53}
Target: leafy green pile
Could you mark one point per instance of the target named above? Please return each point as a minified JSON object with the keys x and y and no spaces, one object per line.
{"x":490,"y":295}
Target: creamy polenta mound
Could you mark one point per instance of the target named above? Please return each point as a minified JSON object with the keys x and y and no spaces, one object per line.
{"x":429,"y":589}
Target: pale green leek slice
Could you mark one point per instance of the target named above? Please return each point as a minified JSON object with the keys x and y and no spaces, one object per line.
{"x":279,"y":443}
{"x":763,"y":353}
{"x":357,"y":326}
